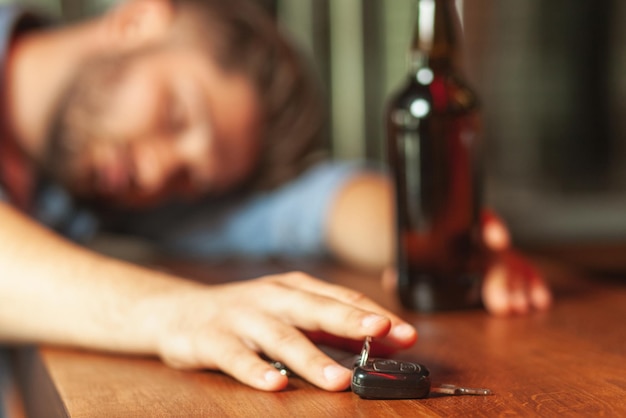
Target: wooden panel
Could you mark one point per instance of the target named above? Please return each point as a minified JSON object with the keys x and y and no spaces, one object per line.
{"x":40,"y":394}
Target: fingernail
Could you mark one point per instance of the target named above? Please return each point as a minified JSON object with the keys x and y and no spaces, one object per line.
{"x":333,"y":372}
{"x":273,"y":376}
{"x":370,"y":320}
{"x":403,"y":331}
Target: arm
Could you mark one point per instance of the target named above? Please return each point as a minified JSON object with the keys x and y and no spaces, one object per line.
{"x":360,"y":222}
{"x":54,"y":292}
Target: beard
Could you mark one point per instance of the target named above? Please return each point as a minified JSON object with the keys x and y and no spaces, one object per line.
{"x":77,"y":125}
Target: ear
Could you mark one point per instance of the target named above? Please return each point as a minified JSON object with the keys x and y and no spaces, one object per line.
{"x":135,"y":22}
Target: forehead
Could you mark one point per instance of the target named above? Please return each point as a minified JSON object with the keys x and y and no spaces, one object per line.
{"x":228,"y":103}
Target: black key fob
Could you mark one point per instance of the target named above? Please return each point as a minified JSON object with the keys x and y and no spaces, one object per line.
{"x":391,"y":379}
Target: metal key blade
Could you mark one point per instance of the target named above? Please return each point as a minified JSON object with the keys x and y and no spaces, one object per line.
{"x":448,"y":389}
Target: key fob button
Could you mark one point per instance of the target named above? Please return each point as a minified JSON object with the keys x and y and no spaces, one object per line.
{"x":386,"y":366}
{"x":408,"y":367}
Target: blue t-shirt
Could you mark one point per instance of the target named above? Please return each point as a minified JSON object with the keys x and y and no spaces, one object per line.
{"x":286,"y":222}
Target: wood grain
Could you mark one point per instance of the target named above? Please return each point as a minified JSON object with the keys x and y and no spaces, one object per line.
{"x":570,"y":361}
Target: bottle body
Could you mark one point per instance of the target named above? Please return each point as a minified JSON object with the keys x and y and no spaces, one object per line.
{"x":433,"y":151}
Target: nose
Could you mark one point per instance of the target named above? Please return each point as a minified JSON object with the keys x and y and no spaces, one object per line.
{"x":156,"y":163}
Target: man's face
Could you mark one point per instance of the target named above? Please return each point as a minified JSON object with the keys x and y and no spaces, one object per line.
{"x":138,"y":128}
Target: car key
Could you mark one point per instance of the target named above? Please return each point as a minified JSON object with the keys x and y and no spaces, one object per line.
{"x":375,"y":378}
{"x":390,"y":379}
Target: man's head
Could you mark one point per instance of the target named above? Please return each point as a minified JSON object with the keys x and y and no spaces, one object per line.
{"x":192,"y":97}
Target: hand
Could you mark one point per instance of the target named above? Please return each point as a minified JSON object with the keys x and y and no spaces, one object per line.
{"x":512,"y":285}
{"x":225,"y":328}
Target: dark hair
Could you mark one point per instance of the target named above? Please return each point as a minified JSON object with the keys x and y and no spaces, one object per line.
{"x":243,"y":38}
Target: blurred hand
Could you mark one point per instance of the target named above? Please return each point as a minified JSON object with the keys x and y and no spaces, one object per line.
{"x":226,"y":327}
{"x":512,"y":285}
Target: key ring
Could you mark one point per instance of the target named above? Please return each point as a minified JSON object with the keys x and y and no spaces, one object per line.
{"x":365,"y":352}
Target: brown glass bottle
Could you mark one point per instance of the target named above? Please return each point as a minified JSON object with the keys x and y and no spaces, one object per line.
{"x":433,"y":150}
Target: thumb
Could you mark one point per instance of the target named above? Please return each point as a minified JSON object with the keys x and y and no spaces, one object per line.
{"x":495,"y":233}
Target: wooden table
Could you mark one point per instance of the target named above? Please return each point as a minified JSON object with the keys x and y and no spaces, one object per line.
{"x":570,"y":361}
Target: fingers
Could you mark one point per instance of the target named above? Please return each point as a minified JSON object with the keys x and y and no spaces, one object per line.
{"x":377,"y":348}
{"x":230,"y":355}
{"x":291,"y":347}
{"x":225,"y":327}
{"x":400,"y":334}
{"x":495,"y":291}
{"x":513,"y":286}
{"x":540,"y":295}
{"x":238,"y":355}
{"x":239,"y":361}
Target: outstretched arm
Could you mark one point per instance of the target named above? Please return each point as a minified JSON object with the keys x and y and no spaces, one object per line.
{"x":53,"y":291}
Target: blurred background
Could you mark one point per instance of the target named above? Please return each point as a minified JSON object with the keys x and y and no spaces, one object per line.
{"x":552,"y":79}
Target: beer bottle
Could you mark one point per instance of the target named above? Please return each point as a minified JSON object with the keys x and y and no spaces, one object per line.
{"x":433,"y":140}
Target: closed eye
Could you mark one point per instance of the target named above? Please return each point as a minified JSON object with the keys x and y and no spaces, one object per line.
{"x":174,"y":118}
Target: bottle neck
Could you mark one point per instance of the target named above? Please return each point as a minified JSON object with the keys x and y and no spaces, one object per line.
{"x":435,"y":36}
